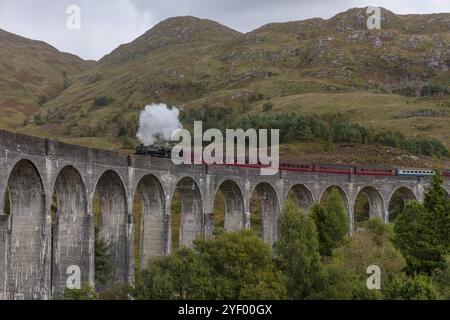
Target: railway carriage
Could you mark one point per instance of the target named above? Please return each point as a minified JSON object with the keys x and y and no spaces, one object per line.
{"x":375,"y":171}
{"x":296,"y":166}
{"x":334,"y":168}
{"x":415,"y":172}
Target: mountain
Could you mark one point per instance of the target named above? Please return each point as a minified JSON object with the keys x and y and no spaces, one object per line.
{"x":394,"y":78}
{"x":171,"y":32}
{"x":31,"y":73}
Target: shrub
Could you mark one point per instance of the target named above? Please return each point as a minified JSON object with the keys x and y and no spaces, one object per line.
{"x":442,"y":280}
{"x":231,"y":266}
{"x":86,"y":292}
{"x":268,"y":106}
{"x":417,"y":287}
{"x":103,"y":101}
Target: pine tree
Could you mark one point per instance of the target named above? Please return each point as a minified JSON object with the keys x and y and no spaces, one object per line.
{"x":437,"y":204}
{"x":298,"y":254}
{"x":104,"y":268}
{"x":331,"y":222}
{"x":422,"y":231}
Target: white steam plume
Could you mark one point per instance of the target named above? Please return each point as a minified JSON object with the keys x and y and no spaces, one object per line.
{"x":158,"y":122}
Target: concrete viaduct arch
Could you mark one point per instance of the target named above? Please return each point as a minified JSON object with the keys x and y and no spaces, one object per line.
{"x":191,"y":218}
{"x":70,"y":228}
{"x":270,"y":210}
{"x":153,"y":221}
{"x":26,"y":232}
{"x":113,"y":220}
{"x":376,"y":202}
{"x":234,"y":211}
{"x":302,"y":196}
{"x":36,"y":171}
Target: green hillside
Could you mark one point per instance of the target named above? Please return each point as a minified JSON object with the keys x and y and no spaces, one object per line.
{"x":31,"y":74}
{"x":396,"y":78}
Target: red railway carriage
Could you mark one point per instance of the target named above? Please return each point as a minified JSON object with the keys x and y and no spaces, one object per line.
{"x":247,"y":165}
{"x":446,"y":173}
{"x":375,"y":171}
{"x":334,"y":168}
{"x":296,"y":166}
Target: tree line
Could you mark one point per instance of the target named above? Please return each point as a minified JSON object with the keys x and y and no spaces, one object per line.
{"x":334,"y":128}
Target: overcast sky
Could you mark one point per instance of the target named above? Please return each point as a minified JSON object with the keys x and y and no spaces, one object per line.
{"x":105,"y":24}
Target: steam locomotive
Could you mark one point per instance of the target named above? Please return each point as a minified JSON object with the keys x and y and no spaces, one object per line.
{"x":154,"y":151}
{"x":162,"y":152}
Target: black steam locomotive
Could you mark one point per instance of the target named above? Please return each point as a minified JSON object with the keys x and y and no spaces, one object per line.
{"x":154,"y":151}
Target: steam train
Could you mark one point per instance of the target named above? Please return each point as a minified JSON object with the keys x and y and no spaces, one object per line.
{"x":161,"y":152}
{"x":153,"y":151}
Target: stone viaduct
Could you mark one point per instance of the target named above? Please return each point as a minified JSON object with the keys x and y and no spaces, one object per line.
{"x":37,"y":246}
